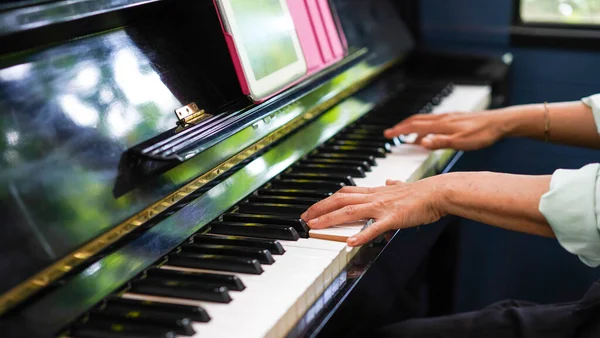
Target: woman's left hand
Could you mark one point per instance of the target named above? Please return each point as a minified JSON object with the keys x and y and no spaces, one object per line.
{"x":395,"y":206}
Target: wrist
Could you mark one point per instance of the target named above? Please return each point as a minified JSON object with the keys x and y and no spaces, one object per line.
{"x":445,"y":188}
{"x":454,"y":190}
{"x":523,"y":121}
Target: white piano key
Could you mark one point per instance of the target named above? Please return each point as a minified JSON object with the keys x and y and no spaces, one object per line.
{"x":399,"y":164}
{"x":465,"y":99}
{"x":339,"y":233}
{"x":275,"y":300}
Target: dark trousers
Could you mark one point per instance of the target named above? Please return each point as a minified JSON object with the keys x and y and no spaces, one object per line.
{"x":510,"y":319}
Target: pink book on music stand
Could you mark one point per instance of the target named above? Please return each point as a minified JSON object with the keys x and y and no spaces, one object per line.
{"x":306,"y":35}
{"x":335,"y":42}
{"x":320,"y":32}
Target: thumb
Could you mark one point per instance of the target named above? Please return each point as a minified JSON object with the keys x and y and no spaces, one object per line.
{"x":437,"y":141}
{"x":368,"y":234}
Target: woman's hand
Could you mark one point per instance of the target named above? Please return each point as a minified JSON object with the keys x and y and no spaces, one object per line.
{"x":461,"y":131}
{"x":397,"y":205}
{"x":503,"y":200}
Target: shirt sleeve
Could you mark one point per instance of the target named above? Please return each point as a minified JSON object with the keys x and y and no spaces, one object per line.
{"x":572,"y":205}
{"x":594,"y":103}
{"x":571,"y":210}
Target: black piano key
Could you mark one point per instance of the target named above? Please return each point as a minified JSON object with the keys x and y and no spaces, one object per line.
{"x":361,"y":137}
{"x":108,"y":328}
{"x":331,"y":177}
{"x":351,"y":170}
{"x":293,"y":193}
{"x":195,"y":313}
{"x":272,"y":245}
{"x":179,"y":289}
{"x":269,"y":231}
{"x":181,"y":326}
{"x":447,"y":90}
{"x":333,"y":155}
{"x":283,"y":199}
{"x":297,"y":223}
{"x":387,"y":146}
{"x":272,"y":209}
{"x":364,"y":165}
{"x":215,"y":262}
{"x":262,"y":255}
{"x":231,"y":282}
{"x":426,"y":109}
{"x":307,"y":185}
{"x":376,"y":152}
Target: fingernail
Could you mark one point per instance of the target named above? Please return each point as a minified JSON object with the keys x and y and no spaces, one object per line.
{"x":352,"y":240}
{"x":313,"y":221}
{"x":303,"y":216}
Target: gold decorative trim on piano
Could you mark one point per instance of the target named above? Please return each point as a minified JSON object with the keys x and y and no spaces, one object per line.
{"x":351,"y":81}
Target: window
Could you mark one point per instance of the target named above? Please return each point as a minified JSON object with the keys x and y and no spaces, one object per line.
{"x":564,"y":24}
{"x":564,"y":12}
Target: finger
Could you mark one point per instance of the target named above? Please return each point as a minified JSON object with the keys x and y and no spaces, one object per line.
{"x":418,"y":127}
{"x":393,"y":182}
{"x":419,"y":139}
{"x":370,"y":233}
{"x":361,"y":190}
{"x":439,"y":141}
{"x":345,"y":214}
{"x":334,"y":202}
{"x":431,"y":118}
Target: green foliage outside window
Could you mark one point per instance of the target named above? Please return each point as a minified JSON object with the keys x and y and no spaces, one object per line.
{"x":574,"y":12}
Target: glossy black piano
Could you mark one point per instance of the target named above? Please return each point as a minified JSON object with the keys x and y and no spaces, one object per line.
{"x":118,"y":221}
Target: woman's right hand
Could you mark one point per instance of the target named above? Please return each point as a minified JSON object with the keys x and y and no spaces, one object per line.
{"x":461,"y":131}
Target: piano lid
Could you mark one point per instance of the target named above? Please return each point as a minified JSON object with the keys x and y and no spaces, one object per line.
{"x":69,"y":113}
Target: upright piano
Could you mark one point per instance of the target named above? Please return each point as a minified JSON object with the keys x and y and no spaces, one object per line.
{"x":120,"y":220}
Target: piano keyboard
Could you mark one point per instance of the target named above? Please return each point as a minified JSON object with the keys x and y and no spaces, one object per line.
{"x":258,"y":269}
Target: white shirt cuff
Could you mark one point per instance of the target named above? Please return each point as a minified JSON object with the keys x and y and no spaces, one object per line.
{"x":570,"y":208}
{"x":594,"y":103}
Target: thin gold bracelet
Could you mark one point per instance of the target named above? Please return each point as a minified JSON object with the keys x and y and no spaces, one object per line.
{"x":547,"y":124}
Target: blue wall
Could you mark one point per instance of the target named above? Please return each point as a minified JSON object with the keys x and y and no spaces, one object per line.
{"x":496,"y":264}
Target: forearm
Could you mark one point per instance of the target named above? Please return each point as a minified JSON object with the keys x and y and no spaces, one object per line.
{"x":503,"y":200}
{"x":570,"y":123}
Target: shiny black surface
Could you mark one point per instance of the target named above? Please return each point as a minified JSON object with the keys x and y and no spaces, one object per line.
{"x":69,"y":113}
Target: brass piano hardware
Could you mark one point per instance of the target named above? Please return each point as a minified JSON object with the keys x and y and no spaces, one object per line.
{"x":43,"y":278}
{"x":189,"y":114}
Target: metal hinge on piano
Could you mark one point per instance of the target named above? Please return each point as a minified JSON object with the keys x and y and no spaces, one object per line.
{"x":188,"y":115}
